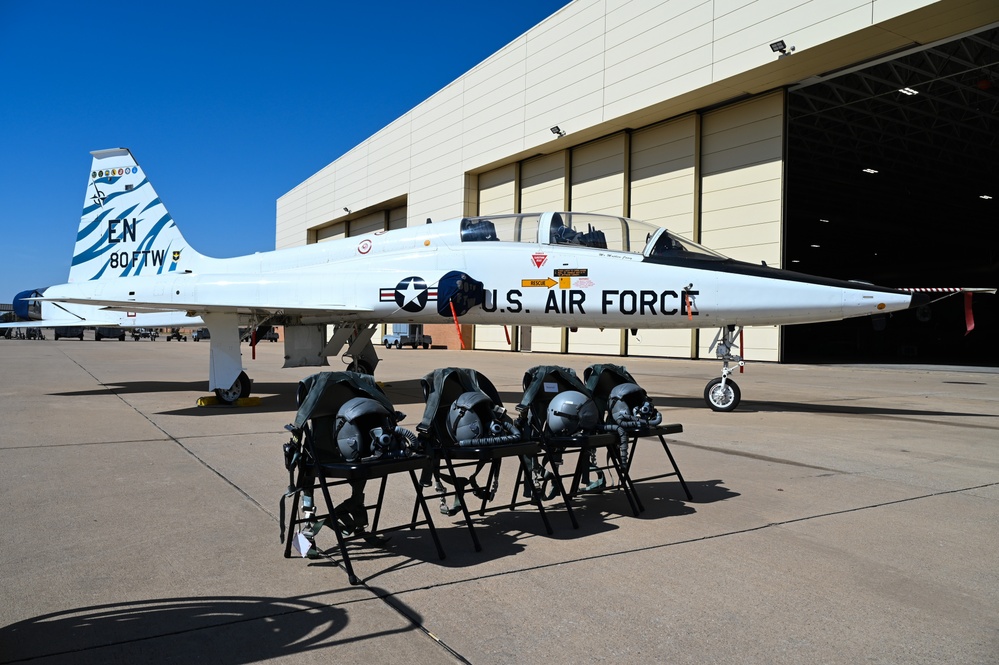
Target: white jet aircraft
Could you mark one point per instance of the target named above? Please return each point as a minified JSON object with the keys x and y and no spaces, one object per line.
{"x":546,"y":269}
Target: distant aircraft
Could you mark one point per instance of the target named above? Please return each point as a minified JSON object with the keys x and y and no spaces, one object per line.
{"x":561,"y":269}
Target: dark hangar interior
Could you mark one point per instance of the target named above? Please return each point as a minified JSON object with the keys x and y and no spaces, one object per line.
{"x":892,"y":177}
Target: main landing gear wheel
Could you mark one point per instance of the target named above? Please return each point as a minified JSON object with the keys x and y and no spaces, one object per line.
{"x":361,"y":367}
{"x":722,"y":398}
{"x":239,"y":389}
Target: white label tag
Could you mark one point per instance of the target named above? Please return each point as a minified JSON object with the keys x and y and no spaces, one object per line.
{"x":302,"y":544}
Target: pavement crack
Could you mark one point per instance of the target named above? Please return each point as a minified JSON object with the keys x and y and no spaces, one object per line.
{"x":170,"y":437}
{"x":390,"y":600}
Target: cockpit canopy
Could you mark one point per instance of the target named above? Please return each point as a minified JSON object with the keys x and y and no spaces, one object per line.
{"x":607,"y":232}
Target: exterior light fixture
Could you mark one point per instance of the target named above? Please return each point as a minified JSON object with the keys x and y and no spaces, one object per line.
{"x":824,"y":221}
{"x":557,"y":131}
{"x":985,"y":197}
{"x":870,"y":171}
{"x":347,"y":210}
{"x":908,"y":91}
{"x":815,"y":246}
{"x":780,"y":47}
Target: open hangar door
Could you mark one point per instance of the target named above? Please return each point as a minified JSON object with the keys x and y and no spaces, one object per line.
{"x":892,"y":177}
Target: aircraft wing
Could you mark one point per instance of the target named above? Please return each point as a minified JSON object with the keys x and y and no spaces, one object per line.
{"x":219,"y":305}
{"x":57,"y":313}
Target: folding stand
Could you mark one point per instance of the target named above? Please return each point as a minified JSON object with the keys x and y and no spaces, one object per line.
{"x":553,"y":451}
{"x":347,"y":473}
{"x":493,"y":456}
{"x":442,"y":388}
{"x":541,"y":385}
{"x":661,"y":431}
{"x":315,"y":456}
{"x":601,"y":379}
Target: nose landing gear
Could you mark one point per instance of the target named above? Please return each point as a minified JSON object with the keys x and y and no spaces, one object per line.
{"x":722,"y":393}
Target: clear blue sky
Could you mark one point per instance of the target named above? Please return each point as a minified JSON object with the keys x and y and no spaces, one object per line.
{"x":226,"y":105}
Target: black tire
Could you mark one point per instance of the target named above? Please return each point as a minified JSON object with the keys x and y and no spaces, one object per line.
{"x":98,"y":337}
{"x":361,"y":367}
{"x":426,"y":346}
{"x":388,"y":344}
{"x":414,"y":345}
{"x":240,"y":389}
{"x":722,"y":400}
{"x":398,"y":344}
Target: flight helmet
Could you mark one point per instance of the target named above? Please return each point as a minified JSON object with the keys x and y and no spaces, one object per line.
{"x":570,"y":412}
{"x":471,"y":416}
{"x":365,"y":428}
{"x":628,"y":401}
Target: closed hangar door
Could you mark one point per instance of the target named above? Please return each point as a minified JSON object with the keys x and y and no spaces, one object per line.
{"x":892,"y":179}
{"x":597,"y":185}
{"x":742,"y":150}
{"x":497,"y":195}
{"x":663,"y":187}
{"x":332,"y":232}
{"x":543,"y":188}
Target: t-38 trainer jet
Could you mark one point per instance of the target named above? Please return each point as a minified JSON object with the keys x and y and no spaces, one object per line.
{"x":584,"y":270}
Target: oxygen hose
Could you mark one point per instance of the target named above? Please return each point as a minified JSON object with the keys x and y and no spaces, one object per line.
{"x":637,"y":422}
{"x":623,"y":440}
{"x":513,"y":436}
{"x":410,"y":449}
{"x":409,"y":436}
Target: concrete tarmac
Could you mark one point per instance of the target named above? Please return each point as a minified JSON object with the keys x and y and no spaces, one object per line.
{"x":841,"y":515}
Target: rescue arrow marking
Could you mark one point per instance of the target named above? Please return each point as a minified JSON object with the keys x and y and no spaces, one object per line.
{"x":547,"y":282}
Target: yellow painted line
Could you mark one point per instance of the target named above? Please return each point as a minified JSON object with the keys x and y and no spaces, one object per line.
{"x":212,"y":400}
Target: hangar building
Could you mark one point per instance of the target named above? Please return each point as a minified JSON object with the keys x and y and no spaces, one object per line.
{"x":853,"y":139}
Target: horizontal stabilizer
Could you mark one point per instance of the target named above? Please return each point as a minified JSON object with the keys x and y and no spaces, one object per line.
{"x":58,"y":323}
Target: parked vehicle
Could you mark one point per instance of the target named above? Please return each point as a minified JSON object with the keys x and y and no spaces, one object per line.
{"x":246,"y":335}
{"x":177,"y":335}
{"x":200,"y":334}
{"x":110,"y":333}
{"x":145,"y":333}
{"x":407,"y":334}
{"x":69,"y":331}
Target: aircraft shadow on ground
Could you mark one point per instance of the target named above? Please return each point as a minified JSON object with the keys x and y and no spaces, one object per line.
{"x":761,"y":406}
{"x":280,"y":396}
{"x":138,"y":387}
{"x":274,"y":397}
{"x":228,"y":629}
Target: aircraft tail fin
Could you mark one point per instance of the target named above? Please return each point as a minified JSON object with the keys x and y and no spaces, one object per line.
{"x":125,"y":229}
